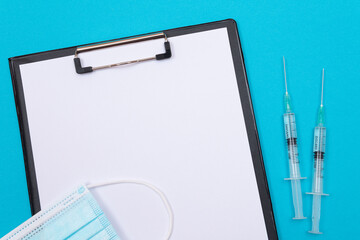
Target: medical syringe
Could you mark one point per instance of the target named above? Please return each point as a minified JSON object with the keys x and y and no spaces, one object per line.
{"x":319,"y":151}
{"x":292,"y":148}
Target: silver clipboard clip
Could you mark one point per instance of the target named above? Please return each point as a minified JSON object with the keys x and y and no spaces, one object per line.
{"x":80,"y":70}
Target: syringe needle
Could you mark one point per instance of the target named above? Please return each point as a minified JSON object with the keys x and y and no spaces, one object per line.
{"x":322,"y":87}
{"x":321,"y":116}
{"x":285,"y":75}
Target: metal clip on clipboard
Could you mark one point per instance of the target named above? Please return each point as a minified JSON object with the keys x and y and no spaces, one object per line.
{"x":80,"y":70}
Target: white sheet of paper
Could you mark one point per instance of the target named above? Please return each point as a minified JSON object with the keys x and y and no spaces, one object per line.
{"x":176,"y":123}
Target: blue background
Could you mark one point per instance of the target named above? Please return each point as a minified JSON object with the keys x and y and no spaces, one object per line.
{"x":310,"y":34}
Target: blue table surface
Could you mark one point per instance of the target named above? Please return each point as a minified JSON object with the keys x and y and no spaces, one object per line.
{"x":310,"y":34}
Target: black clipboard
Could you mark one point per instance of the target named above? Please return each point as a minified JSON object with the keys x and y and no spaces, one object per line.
{"x":243,"y":86}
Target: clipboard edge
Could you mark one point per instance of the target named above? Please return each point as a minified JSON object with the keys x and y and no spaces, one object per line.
{"x":253,"y":134}
{"x":25,"y":138}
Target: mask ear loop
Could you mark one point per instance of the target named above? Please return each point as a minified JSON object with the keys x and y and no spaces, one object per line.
{"x":152,"y":187}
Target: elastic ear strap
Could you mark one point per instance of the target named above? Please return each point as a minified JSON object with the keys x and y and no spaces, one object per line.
{"x":152,"y":187}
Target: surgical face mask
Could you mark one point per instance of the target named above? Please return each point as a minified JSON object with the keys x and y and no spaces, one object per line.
{"x":75,"y":217}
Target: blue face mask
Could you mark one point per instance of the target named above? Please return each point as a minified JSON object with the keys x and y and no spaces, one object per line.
{"x":76,"y":216}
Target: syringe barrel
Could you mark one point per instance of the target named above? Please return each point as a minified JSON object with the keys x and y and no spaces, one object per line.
{"x":291,"y":141}
{"x":295,"y":176}
{"x":319,"y":152}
